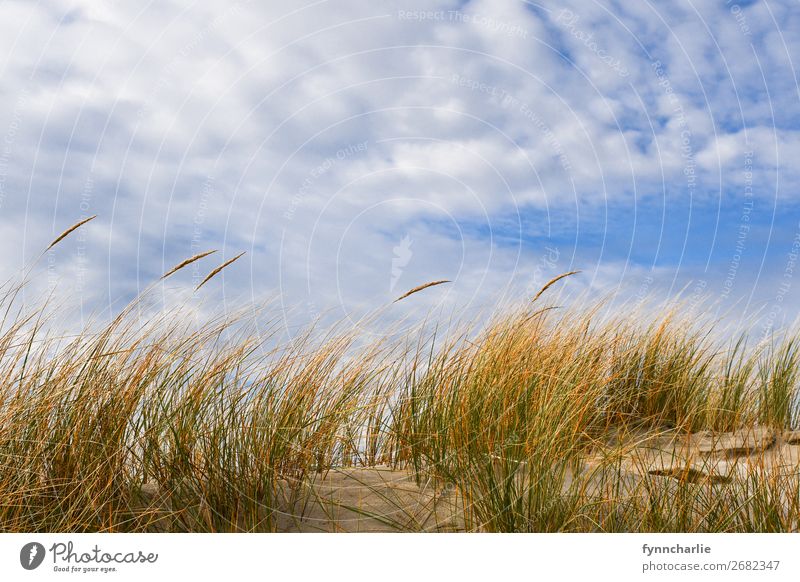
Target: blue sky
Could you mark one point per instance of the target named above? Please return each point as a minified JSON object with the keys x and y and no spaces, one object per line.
{"x":355,"y":150}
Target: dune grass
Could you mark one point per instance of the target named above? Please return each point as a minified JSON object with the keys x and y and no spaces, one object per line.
{"x":219,"y":422}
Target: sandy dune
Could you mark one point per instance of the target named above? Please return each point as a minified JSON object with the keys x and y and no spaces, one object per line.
{"x":380,"y":499}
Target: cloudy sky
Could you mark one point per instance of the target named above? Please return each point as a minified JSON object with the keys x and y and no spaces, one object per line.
{"x":357,"y":149}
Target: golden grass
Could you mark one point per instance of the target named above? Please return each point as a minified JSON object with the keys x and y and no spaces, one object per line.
{"x":527,"y":418}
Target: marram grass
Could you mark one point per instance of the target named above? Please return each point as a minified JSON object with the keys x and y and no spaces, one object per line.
{"x":219,"y":428}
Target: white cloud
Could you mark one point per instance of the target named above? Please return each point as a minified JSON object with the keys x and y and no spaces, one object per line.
{"x":196,"y":125}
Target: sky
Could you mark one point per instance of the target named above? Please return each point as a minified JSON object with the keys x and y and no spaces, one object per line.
{"x":355,"y":150}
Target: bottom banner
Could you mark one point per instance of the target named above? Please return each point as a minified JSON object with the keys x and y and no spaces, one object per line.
{"x":389,"y":557}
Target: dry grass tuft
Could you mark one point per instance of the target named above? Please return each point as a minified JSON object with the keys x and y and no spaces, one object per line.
{"x":527,"y":420}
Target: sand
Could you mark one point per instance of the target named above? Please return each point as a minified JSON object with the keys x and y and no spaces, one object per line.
{"x":381,"y":499}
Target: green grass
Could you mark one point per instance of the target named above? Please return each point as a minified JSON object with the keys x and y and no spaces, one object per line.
{"x":506,"y":414}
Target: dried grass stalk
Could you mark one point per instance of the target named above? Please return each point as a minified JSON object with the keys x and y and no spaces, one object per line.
{"x":420,"y":288}
{"x":216,"y":271}
{"x":552,"y":282}
{"x":188,"y":261}
{"x":71,"y":229}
